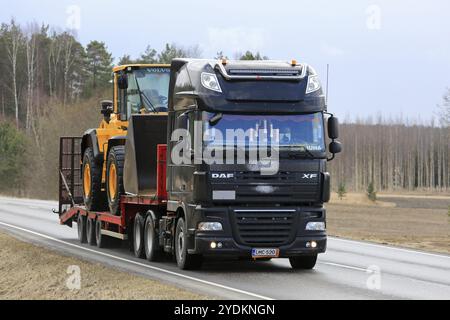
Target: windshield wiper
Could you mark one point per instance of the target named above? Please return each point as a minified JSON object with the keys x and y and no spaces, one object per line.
{"x":296,"y":152}
{"x":142,"y":94}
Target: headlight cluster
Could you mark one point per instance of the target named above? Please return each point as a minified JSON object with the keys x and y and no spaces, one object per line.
{"x":315,"y":226}
{"x":210,"y":226}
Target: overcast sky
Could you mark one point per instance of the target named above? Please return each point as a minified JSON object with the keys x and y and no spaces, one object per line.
{"x":386,"y":57}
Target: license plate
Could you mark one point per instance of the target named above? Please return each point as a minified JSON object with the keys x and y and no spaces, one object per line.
{"x":265,"y":253}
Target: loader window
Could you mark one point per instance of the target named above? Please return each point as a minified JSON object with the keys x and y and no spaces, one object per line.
{"x":133,"y":96}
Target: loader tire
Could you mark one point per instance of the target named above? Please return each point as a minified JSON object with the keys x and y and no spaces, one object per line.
{"x":114,"y":178}
{"x":94,"y":197}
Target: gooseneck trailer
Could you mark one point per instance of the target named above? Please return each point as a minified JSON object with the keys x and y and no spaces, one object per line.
{"x":138,"y":178}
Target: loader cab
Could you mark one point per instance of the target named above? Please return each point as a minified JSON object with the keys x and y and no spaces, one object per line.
{"x":140,"y":89}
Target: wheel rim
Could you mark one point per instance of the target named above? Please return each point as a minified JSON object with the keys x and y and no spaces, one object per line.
{"x":87,"y":180}
{"x":98,"y":231}
{"x":112,"y":181}
{"x":80,"y":226}
{"x":149,"y":236}
{"x":137,"y":236}
{"x":180,"y":244}
{"x":89,"y":229}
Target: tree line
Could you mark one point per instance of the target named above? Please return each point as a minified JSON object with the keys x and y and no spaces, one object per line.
{"x":50,"y":84}
{"x":393,"y":156}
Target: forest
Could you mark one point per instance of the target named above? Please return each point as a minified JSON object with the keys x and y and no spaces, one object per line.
{"x":50,"y":84}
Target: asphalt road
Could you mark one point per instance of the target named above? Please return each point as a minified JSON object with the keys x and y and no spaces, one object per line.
{"x":349,"y":270}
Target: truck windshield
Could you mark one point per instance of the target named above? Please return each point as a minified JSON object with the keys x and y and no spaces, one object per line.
{"x":304,"y":130}
{"x":152,"y":84}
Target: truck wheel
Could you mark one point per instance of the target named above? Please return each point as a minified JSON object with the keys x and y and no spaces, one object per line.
{"x":114,"y":178}
{"x":138,"y":239}
{"x":305,"y":262}
{"x":185,"y":260}
{"x":101,"y":240}
{"x":81,"y":226}
{"x":90,"y":231}
{"x":151,"y":240}
{"x":94,"y":198}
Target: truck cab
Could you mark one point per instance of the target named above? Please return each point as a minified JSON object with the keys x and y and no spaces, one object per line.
{"x":267,"y":207}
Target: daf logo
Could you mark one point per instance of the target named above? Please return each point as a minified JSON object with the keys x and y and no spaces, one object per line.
{"x":310,"y":176}
{"x":223,"y":175}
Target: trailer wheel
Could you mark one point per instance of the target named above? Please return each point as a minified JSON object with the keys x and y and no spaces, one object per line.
{"x":90,"y":231}
{"x":114,"y":178}
{"x":138,"y":238}
{"x":93,"y":196}
{"x":185,"y":261}
{"x":81,"y":226}
{"x":102,"y":240}
{"x":305,"y":262}
{"x":151,"y":240}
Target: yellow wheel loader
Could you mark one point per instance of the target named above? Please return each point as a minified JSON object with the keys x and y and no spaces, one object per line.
{"x":137,"y":89}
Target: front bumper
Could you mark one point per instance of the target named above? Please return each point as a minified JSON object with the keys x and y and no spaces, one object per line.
{"x":231,"y":248}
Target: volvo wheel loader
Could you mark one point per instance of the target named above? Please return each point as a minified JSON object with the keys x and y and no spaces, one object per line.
{"x":171,"y":168}
{"x":138,"y":89}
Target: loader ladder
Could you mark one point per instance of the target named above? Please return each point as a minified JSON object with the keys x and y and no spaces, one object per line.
{"x":70,"y":189}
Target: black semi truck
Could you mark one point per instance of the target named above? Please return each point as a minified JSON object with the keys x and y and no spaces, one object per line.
{"x":235,"y":167}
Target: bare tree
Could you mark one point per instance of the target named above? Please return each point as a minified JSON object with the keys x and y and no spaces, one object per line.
{"x":13,"y":38}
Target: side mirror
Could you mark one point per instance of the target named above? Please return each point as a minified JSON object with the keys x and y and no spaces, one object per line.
{"x":333,"y":128}
{"x":107,"y":109}
{"x":335,"y":147}
{"x":122,"y":81}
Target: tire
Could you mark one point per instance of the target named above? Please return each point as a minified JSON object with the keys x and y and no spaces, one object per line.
{"x":81,"y":226}
{"x":303,"y":262}
{"x":151,"y":240}
{"x":90,"y":231}
{"x":93,"y":196}
{"x":138,"y":236}
{"x":185,"y":261}
{"x":114,"y":178}
{"x":101,"y":240}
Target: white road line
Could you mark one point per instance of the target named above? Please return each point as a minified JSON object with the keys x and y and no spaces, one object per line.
{"x":344,"y":266}
{"x":140,"y":264}
{"x":391,"y":248}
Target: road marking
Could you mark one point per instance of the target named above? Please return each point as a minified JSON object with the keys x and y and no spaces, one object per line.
{"x":140,"y":264}
{"x":392,"y":248}
{"x":343,"y":266}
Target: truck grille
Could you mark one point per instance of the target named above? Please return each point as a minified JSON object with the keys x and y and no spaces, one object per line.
{"x":265,"y":227}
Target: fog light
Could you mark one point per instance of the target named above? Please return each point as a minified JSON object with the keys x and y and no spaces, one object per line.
{"x":315,"y":226}
{"x":220,"y":245}
{"x":313,"y":244}
{"x":210,"y":226}
{"x":213,"y":245}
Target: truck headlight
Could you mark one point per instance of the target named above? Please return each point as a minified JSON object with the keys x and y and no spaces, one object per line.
{"x":313,"y":84}
{"x":315,"y":226}
{"x":210,"y":226}
{"x":210,"y":81}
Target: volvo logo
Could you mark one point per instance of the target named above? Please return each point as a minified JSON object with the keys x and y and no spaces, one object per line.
{"x":222,"y":175}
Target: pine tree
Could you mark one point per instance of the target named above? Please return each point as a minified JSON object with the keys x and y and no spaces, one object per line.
{"x":371,"y":193}
{"x":99,"y":62}
{"x":342,"y":191}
